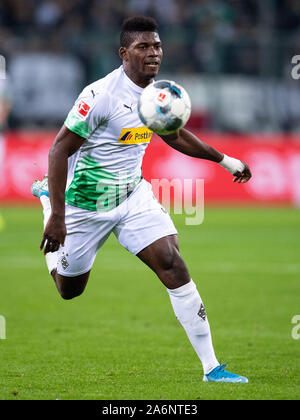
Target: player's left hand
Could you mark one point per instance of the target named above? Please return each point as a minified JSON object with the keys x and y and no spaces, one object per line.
{"x":243,"y":177}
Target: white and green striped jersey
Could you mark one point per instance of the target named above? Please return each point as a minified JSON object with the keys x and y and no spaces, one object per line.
{"x":107,"y":167}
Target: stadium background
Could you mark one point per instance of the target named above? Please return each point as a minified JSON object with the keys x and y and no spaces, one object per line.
{"x":234,"y":57}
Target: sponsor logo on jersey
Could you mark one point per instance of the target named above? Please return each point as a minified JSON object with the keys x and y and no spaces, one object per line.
{"x":83,"y":108}
{"x":135,"y":135}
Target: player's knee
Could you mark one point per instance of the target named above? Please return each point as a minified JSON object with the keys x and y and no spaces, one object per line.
{"x":71,"y":287}
{"x":169,"y":259}
{"x":67,"y":292}
{"x":172,"y":271}
{"x":68,"y":295}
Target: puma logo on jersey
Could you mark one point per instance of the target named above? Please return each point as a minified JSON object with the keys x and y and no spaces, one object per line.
{"x":135,"y":135}
{"x":127,"y":106}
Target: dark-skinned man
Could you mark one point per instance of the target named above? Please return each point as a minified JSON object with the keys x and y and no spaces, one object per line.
{"x":95,"y":186}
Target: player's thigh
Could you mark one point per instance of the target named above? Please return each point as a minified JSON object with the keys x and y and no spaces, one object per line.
{"x":147,"y":230}
{"x":86,"y":233}
{"x":143,"y":220}
{"x":70,"y":287}
{"x":161,"y":253}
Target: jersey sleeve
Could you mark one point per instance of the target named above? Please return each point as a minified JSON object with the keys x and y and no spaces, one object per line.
{"x":89,"y":112}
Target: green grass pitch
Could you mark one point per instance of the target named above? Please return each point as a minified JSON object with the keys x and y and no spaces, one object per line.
{"x":120,"y":339}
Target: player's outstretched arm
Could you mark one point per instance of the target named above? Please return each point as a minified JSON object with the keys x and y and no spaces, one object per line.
{"x":186,"y":142}
{"x":65,"y":145}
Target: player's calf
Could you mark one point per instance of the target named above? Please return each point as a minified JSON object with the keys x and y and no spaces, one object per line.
{"x":164,"y":259}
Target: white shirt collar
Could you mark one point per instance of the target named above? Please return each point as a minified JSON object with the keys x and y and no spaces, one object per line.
{"x":135,"y":87}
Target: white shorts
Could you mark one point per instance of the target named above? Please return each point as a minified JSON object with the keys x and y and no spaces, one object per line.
{"x":137,"y":222}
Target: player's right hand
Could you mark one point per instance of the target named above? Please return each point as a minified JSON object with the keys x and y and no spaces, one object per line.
{"x":243,"y":177}
{"x":54,"y":234}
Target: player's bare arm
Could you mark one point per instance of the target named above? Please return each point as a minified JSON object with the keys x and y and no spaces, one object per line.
{"x":65,"y":145}
{"x":186,"y":142}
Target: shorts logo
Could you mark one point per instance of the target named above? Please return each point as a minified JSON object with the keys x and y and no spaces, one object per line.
{"x":64,"y":262}
{"x":135,"y":135}
{"x":83,"y":108}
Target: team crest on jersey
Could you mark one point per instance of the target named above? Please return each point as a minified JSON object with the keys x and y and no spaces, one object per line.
{"x":135,"y":135}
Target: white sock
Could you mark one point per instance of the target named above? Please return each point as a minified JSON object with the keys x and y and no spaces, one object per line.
{"x":51,"y":257}
{"x":189,"y":310}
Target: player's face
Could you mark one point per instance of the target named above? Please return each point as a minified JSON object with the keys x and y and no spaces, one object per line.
{"x":142,"y":58}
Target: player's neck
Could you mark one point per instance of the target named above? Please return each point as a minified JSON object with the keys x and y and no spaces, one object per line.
{"x":141,"y":82}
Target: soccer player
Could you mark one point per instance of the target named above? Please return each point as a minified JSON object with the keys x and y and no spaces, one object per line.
{"x":95,"y":187}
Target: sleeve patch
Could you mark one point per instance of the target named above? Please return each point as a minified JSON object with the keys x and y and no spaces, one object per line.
{"x":83,"y":108}
{"x":79,"y":127}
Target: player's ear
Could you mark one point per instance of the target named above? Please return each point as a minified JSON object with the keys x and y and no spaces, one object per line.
{"x":123,"y":53}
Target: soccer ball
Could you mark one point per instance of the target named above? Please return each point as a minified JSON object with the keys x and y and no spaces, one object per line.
{"x":164,"y":107}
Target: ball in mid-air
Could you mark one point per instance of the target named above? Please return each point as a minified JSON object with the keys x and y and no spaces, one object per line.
{"x":164,"y":107}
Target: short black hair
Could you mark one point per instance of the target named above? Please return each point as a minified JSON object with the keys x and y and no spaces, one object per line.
{"x":136,"y":24}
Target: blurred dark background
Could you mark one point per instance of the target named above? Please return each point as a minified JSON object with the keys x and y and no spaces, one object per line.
{"x":232,"y":56}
